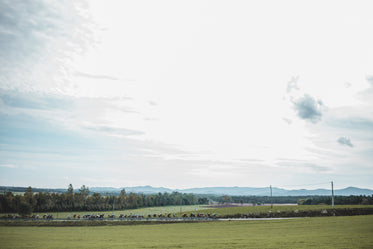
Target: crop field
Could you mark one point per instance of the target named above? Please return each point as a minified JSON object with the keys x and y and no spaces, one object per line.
{"x":322,"y":232}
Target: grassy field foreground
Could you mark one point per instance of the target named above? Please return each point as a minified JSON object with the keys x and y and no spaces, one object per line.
{"x":221,"y":212}
{"x":325,"y":232}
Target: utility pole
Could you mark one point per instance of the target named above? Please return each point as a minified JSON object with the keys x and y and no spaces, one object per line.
{"x":271,"y":196}
{"x":332,"y":195}
{"x":113,"y":202}
{"x":181,"y":203}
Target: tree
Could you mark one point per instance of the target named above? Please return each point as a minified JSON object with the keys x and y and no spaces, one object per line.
{"x":203,"y":200}
{"x":29,"y":197}
{"x":69,"y":201}
{"x":122,"y":198}
{"x":24,"y":209}
{"x":123,"y":193}
{"x":6,"y":203}
{"x":43,"y":202}
{"x":132,"y":200}
{"x":96,"y":202}
{"x":70,"y":189}
{"x":84,"y":190}
{"x":226,"y":199}
{"x":70,"y":197}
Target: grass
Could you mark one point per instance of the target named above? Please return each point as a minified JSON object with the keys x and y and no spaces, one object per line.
{"x":139,"y":211}
{"x":264,"y":209}
{"x":323,"y":232}
{"x":222,"y":212}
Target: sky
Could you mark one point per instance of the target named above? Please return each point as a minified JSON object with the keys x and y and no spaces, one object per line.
{"x":185,"y":94}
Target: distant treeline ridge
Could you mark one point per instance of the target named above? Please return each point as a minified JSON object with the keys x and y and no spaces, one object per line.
{"x":84,"y":201}
{"x":300,"y":200}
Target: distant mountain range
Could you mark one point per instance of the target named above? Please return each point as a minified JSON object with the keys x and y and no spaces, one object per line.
{"x":233,"y":191}
{"x":239,"y":191}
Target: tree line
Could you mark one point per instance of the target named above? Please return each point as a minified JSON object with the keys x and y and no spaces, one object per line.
{"x":255,"y":200}
{"x":84,"y":200}
{"x":300,"y":200}
{"x":338,"y":200}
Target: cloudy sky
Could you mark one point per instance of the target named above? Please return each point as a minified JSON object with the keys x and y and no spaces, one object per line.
{"x":186,"y":93}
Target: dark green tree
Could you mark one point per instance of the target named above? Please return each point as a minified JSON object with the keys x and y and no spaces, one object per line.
{"x":84,"y":190}
{"x":226,"y":199}
{"x":70,"y":197}
{"x":70,"y":189}
{"x":29,"y":197}
{"x":24,"y":209}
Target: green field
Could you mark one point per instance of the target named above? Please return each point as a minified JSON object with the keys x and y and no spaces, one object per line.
{"x":139,"y":211}
{"x":323,"y":232}
{"x":264,"y":209}
{"x":222,"y":212}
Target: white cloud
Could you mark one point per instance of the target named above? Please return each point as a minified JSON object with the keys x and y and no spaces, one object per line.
{"x":345,"y":141}
{"x":188,"y":89}
{"x":38,"y":40}
{"x":370,"y":79}
{"x":308,"y":108}
{"x":10,"y":166}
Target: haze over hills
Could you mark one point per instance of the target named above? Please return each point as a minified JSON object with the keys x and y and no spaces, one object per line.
{"x":233,"y":191}
{"x":252,"y":191}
